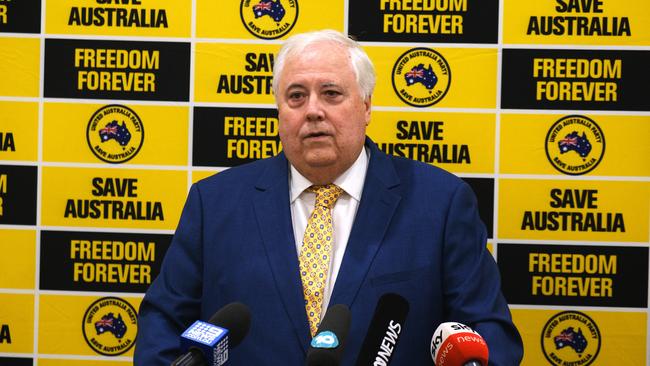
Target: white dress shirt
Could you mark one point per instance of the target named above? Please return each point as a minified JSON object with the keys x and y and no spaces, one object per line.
{"x":345,"y":209}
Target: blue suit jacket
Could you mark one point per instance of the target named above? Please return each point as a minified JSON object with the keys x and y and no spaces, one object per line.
{"x":417,"y":233}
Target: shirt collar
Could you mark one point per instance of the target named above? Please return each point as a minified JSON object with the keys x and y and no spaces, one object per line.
{"x":351,"y":181}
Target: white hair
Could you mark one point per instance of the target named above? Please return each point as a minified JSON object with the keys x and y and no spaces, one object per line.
{"x":361,"y":64}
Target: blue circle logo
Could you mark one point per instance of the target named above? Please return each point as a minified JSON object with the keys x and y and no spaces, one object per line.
{"x":325,"y":339}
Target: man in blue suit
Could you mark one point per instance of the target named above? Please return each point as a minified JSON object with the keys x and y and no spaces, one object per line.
{"x":399,"y":226}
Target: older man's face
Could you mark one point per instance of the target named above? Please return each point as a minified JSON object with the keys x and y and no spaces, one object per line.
{"x":323,"y":116}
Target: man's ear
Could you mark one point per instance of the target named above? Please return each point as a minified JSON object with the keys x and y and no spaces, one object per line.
{"x":368,"y":105}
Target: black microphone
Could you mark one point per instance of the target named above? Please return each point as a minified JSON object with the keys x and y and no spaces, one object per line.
{"x":384,"y":330}
{"x":208,"y":343}
{"x":326,"y":348}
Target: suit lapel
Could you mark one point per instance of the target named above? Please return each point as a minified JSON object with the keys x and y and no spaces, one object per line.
{"x":378,"y":203}
{"x":273,"y":214}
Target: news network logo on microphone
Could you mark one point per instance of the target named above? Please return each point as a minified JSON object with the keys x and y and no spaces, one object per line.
{"x":208,"y":337}
{"x":458,"y":344}
{"x":325,"y":339}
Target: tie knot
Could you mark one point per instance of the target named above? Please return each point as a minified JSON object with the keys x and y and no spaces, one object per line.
{"x":326,"y":195}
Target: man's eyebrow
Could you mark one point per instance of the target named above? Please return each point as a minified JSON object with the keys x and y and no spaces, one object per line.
{"x":295,"y":85}
{"x":328,"y":84}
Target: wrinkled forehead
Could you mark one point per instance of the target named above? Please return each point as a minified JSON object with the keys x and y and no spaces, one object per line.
{"x":326,"y":59}
{"x":321,"y":52}
{"x":324,"y":44}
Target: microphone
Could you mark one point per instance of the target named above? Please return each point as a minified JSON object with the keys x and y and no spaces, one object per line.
{"x":326,"y":348}
{"x":208,"y":343}
{"x":456,"y":344}
{"x":384,"y":330}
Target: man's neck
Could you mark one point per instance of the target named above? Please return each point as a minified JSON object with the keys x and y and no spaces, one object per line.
{"x":327,"y":175}
{"x":322,"y":176}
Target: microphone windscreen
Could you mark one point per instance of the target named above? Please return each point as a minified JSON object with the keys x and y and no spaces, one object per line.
{"x":383,"y":331}
{"x":327,"y":346}
{"x":236,"y":317}
{"x":457,"y":344}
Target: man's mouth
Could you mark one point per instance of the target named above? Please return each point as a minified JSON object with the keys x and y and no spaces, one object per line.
{"x":316,"y":135}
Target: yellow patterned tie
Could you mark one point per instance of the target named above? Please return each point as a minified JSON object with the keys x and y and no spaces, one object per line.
{"x":316,"y":250}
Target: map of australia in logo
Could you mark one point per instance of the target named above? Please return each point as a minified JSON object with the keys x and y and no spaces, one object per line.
{"x":273,"y":9}
{"x":419,"y":74}
{"x":570,"y":338}
{"x":116,"y":132}
{"x":112,"y":324}
{"x":573,"y":142}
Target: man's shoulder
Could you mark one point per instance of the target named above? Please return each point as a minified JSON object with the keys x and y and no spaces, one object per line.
{"x":407,"y":171}
{"x":241,"y":176}
{"x":417,"y":172}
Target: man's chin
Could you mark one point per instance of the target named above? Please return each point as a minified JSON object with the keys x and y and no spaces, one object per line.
{"x":321,"y":160}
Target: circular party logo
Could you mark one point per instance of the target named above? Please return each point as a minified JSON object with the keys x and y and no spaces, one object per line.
{"x":570,"y":338}
{"x":269,"y":19}
{"x":115,"y":133}
{"x":421,"y":77}
{"x":575,"y":145}
{"x":110,"y":326}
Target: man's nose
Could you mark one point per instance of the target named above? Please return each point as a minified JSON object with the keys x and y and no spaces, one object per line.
{"x":315,"y":111}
